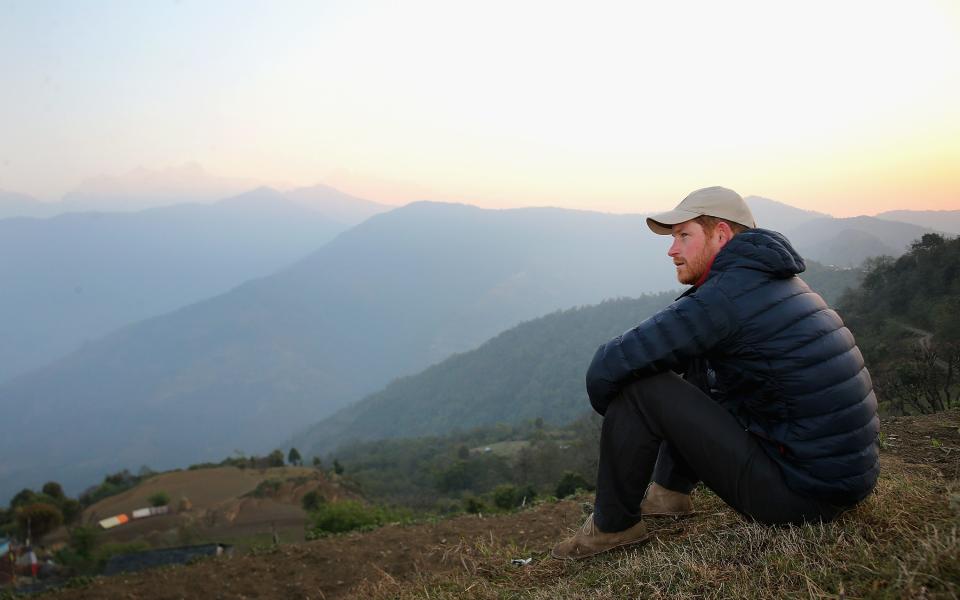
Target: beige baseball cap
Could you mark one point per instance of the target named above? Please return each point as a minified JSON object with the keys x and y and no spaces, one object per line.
{"x":713,"y":201}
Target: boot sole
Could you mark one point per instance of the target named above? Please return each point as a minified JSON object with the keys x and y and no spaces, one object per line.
{"x":675,"y":515}
{"x":601,"y":551}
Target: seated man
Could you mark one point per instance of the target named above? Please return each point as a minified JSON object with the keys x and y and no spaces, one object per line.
{"x":776,"y":413}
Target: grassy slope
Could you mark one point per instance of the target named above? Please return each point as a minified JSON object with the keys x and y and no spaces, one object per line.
{"x":220,"y":506}
{"x":901,"y":543}
{"x":205,"y":488}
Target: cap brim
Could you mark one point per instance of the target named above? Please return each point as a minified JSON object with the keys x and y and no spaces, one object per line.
{"x":663,"y":223}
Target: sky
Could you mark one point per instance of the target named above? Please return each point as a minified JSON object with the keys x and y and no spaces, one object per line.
{"x":848,"y":107}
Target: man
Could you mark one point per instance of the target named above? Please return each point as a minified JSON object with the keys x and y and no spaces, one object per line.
{"x":776,"y":413}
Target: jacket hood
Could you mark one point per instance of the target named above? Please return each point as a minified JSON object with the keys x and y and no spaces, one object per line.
{"x":760,"y":250}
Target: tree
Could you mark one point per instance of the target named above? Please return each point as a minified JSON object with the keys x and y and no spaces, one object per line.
{"x":337,"y":467}
{"x":38,"y":519}
{"x":54,"y":490}
{"x":71,"y":510}
{"x":926,"y":383}
{"x":293,"y":457}
{"x":317,"y":463}
{"x":275,"y":458}
{"x":23,"y":497}
{"x":457,"y":476}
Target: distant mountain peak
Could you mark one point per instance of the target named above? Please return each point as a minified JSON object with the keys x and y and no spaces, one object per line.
{"x":947,"y":221}
{"x":190,"y":178}
{"x":336,"y":204}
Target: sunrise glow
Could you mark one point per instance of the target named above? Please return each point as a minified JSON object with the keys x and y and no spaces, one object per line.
{"x":847,"y":108}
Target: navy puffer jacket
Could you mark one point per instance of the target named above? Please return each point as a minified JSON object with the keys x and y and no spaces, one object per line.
{"x":784,"y":364}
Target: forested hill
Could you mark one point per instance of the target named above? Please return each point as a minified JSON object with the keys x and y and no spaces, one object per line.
{"x":533,"y":370}
{"x":906,"y":317}
{"x":921,"y":288}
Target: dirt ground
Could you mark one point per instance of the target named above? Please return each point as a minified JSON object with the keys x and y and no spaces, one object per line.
{"x":928,"y":440}
{"x":330,"y":567}
{"x":333,"y":567}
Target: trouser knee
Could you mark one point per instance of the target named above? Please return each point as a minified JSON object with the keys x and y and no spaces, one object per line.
{"x":656,"y":389}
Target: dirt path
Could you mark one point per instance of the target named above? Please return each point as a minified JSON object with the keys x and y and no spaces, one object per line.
{"x":923,"y":342}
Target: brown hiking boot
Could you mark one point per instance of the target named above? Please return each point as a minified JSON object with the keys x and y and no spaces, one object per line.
{"x":661,"y":502}
{"x":590,"y":540}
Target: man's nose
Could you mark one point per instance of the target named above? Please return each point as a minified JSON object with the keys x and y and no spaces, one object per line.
{"x":674,"y":249}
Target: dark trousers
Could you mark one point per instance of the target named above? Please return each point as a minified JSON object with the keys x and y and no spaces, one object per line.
{"x":662,"y":427}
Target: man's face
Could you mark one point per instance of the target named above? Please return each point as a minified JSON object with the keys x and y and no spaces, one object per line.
{"x":692,"y":250}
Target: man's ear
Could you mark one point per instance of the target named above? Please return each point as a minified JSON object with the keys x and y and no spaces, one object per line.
{"x":723,"y":233}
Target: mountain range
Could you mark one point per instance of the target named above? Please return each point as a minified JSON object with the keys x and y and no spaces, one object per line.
{"x":141,"y":189}
{"x":75,"y":277}
{"x":398,"y":292}
{"x":848,"y":242}
{"x":533,"y":370}
{"x":947,"y":221}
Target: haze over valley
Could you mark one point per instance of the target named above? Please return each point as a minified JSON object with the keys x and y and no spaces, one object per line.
{"x":182,"y":333}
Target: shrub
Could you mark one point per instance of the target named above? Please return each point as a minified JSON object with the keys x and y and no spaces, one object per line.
{"x":79,"y":555}
{"x":84,"y":539}
{"x":203,"y":465}
{"x":350,"y":515}
{"x":505,"y":496}
{"x":267,"y":487}
{"x":312,"y":500}
{"x":160,"y":498}
{"x":526,"y":495}
{"x":473,"y":505}
{"x":570,"y":483}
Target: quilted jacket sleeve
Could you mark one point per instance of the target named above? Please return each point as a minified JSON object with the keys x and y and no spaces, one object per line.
{"x":689,"y":327}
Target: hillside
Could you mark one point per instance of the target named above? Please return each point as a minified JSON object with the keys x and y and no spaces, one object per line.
{"x":947,"y":221}
{"x":848,"y":242}
{"x":900,"y":543}
{"x":534,"y":370}
{"x":220,"y":503}
{"x":74,"y":278}
{"x":245,"y":369}
{"x":530,"y":371}
{"x":907,"y":319}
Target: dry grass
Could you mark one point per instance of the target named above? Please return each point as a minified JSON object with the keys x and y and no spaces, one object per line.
{"x":902,"y":542}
